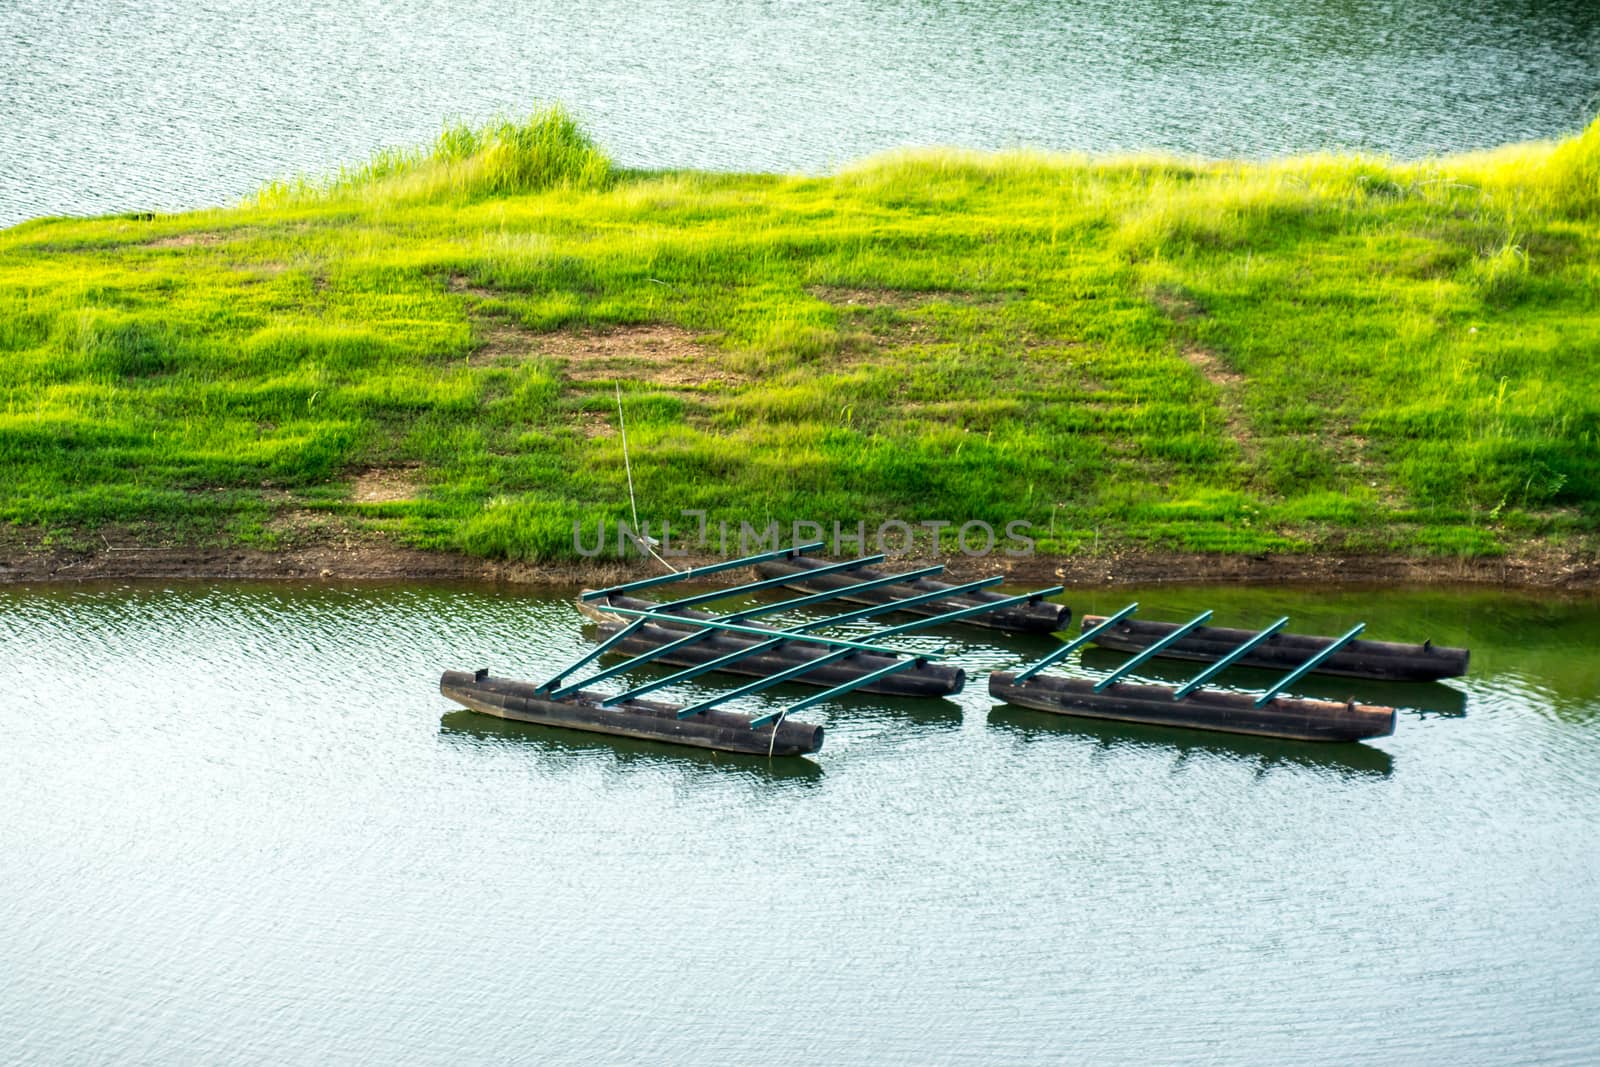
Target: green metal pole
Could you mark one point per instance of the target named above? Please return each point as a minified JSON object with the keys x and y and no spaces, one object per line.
{"x":1310,"y":665}
{"x":1197,"y":621}
{"x":1222,"y":664}
{"x":1077,"y":642}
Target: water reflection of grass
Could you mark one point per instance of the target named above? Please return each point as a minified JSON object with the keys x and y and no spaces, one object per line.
{"x":1327,"y":353}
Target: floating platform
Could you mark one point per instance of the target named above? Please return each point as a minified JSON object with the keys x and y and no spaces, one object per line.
{"x":924,"y":679}
{"x":1291,"y":718}
{"x":1033,"y":616}
{"x":1382,"y":660}
{"x":713,"y":728}
{"x":672,"y":633}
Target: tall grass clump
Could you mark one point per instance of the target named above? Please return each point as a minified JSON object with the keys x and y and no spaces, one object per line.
{"x":548,"y":149}
{"x":1573,"y":172}
{"x":1560,"y":179}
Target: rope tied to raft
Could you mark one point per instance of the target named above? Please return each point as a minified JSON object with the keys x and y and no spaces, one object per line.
{"x":633,"y":504}
{"x":772,"y":742}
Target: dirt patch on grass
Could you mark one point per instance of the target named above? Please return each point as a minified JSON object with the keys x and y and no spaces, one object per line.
{"x":188,"y":240}
{"x":1229,"y":384}
{"x":292,"y":528}
{"x":592,"y":424}
{"x":872,"y":320}
{"x":503,"y":343}
{"x":841,"y":296}
{"x":659,"y":354}
{"x":867,"y":332}
{"x":1208,"y":363}
{"x":850,"y":297}
{"x":1176,"y":304}
{"x":1180,"y":307}
{"x":460,"y":283}
{"x":383,"y":485}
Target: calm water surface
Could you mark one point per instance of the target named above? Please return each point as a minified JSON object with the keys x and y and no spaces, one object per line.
{"x":239,"y":824}
{"x":114,"y":106}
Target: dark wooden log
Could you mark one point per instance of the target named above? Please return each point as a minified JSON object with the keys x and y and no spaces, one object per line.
{"x":925,"y":680}
{"x":1285,"y":651}
{"x":1039,"y":617}
{"x":716,"y":728}
{"x":1208,"y":709}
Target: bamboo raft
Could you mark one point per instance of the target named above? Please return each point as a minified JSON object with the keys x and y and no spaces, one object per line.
{"x":864,"y":586}
{"x":1191,"y":705}
{"x":700,"y":643}
{"x":680,"y":633}
{"x":1382,"y":660}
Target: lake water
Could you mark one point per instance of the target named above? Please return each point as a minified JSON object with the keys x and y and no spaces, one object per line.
{"x":239,"y":824}
{"x":164,"y":105}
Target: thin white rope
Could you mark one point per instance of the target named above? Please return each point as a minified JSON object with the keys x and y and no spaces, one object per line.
{"x":626,"y":462}
{"x":772,"y":744}
{"x":627,"y":465}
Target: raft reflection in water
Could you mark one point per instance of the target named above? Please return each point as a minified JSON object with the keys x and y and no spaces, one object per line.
{"x":1266,"y":753}
{"x":557,"y":747}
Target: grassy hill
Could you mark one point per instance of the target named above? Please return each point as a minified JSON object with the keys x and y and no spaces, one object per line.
{"x":1314,"y":355}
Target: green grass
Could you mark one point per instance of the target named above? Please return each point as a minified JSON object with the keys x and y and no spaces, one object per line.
{"x":1316,"y":354}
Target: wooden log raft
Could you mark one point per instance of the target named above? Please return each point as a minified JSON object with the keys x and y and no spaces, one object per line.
{"x":715,"y":728}
{"x":1207,"y":709}
{"x":1039,"y":617}
{"x":1282,"y":651}
{"x":923,"y":680}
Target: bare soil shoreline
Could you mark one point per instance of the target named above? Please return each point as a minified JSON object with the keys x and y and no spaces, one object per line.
{"x":376,"y":560}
